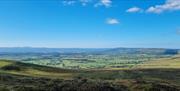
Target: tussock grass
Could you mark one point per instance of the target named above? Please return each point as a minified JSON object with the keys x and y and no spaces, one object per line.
{"x":24,"y":69}
{"x":173,"y":62}
{"x":5,"y":63}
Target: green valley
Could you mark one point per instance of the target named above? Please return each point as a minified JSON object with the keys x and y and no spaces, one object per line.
{"x":159,"y":74}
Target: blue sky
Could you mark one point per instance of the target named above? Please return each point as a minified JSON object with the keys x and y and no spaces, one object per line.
{"x":90,"y":23}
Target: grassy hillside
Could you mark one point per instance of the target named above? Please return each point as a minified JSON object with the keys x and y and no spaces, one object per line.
{"x":172,"y":62}
{"x":18,"y":68}
{"x":18,"y":76}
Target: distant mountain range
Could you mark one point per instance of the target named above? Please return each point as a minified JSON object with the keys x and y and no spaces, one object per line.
{"x":49,"y":50}
{"x":89,"y":50}
{"x":142,"y":51}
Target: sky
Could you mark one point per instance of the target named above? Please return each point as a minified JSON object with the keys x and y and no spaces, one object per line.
{"x":90,"y":23}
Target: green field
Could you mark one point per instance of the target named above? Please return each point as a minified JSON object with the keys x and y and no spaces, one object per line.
{"x":18,"y":68}
{"x":172,"y":62}
{"x":142,"y":77}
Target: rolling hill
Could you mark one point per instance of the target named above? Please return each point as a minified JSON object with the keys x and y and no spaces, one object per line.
{"x":18,"y":68}
{"x":155,"y":51}
{"x":19,"y":76}
{"x":89,"y":50}
{"x":172,"y":62}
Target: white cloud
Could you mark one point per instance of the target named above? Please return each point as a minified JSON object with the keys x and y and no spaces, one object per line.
{"x":96,"y":3}
{"x":134,"y":9}
{"x":170,"y":5}
{"x":85,"y":2}
{"x":68,"y":2}
{"x":112,"y":21}
{"x":106,"y":3}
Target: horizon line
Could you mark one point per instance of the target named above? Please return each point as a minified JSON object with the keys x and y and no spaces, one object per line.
{"x":88,"y":47}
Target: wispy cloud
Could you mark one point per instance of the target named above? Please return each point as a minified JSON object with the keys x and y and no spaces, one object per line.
{"x":68,"y":2}
{"x":106,"y":3}
{"x":112,"y":21}
{"x":134,"y":10}
{"x":169,"y":5}
{"x":96,"y":3}
{"x":85,"y":2}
